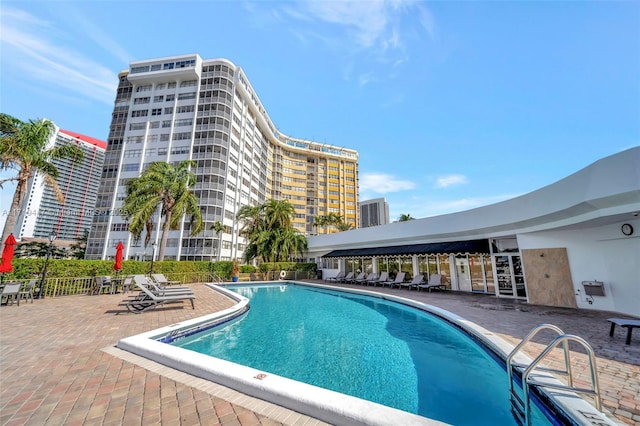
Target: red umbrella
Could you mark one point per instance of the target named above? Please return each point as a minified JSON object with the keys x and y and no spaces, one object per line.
{"x":7,"y":254}
{"x":119,"y":250}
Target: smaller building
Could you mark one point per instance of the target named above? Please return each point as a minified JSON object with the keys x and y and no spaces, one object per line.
{"x":374,"y":212}
{"x":41,"y":213}
{"x":574,"y":243}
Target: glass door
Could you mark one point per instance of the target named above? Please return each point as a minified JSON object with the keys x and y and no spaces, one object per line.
{"x":510,"y":276}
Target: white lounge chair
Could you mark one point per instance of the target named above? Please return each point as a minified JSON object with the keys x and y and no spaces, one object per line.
{"x":364,"y":279}
{"x":371,"y":278}
{"x":434,"y":283}
{"x":383,"y":278}
{"x":149,"y":300}
{"x":346,"y":278}
{"x":417,"y":280}
{"x":398,"y":280}
{"x":336,"y":278}
{"x":163,"y":281}
{"x":360,"y":276}
{"x":141,"y":280}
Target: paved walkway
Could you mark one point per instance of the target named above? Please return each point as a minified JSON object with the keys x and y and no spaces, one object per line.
{"x":59,"y":366}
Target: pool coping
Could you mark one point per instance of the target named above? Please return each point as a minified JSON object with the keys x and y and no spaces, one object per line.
{"x":325,"y":405}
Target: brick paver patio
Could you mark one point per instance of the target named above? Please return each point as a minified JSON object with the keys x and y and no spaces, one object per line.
{"x":59,"y":366}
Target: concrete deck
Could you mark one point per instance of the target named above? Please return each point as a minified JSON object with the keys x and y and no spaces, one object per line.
{"x":59,"y":366}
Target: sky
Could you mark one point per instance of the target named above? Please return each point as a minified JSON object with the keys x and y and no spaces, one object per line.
{"x":451,"y":105}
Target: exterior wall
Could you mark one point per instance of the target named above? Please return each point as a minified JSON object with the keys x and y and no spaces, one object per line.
{"x":598,"y":254}
{"x":42,"y":212}
{"x":581,"y":214}
{"x":185,"y":108}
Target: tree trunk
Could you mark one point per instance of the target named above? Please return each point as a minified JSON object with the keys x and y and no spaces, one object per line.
{"x":165,"y":234}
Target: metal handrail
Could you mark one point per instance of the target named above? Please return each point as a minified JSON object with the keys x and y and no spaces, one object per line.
{"x":523,"y":406}
{"x":564,"y":339}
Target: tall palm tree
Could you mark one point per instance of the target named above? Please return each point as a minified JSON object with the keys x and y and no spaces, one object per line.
{"x":23,"y":147}
{"x":164,"y":185}
{"x":269,"y":229}
{"x":218,"y":228}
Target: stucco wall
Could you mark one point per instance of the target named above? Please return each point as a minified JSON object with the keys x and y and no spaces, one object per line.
{"x":597,"y":254}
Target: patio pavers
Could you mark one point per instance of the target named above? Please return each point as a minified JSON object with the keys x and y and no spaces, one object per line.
{"x":59,"y":364}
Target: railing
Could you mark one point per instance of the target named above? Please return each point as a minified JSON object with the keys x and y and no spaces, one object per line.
{"x":521,"y":407}
{"x":70,"y":286}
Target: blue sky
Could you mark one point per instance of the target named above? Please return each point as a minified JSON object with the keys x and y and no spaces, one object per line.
{"x":451,"y":105}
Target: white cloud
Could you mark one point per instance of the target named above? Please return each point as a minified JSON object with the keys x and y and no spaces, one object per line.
{"x":375,"y":26}
{"x":381,"y":183}
{"x":46,"y":53}
{"x":450,"y":180}
{"x":420,"y":207}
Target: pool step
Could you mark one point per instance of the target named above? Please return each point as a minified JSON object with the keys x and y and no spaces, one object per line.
{"x":521,"y":406}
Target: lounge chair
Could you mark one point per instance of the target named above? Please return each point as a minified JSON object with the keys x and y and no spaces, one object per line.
{"x":434,"y":283}
{"x":360,"y":276}
{"x":11,"y":291}
{"x":336,"y":278}
{"x":364,"y":278}
{"x":346,"y":278}
{"x":398,"y":280}
{"x":417,"y":280}
{"x":148,"y":283}
{"x":149,"y":300}
{"x":370,"y":278}
{"x":383,"y":278}
{"x":26,"y":292}
{"x":163,"y":281}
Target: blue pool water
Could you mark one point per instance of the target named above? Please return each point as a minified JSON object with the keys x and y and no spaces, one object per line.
{"x":366,"y":347}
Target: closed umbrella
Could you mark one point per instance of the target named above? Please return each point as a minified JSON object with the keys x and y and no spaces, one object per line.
{"x":119,"y":249}
{"x":7,"y":255}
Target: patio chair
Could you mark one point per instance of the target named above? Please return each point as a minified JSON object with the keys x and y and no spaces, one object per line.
{"x":371,"y":278}
{"x":147,"y":299}
{"x":417,"y":280}
{"x":346,"y":278}
{"x":434,"y":283}
{"x":11,"y":292}
{"x":397,"y":280}
{"x":336,"y":278}
{"x":26,"y":292}
{"x":163,"y":281}
{"x":360,"y":276}
{"x":102,"y":283}
{"x":383,"y":278}
{"x":149,"y":284}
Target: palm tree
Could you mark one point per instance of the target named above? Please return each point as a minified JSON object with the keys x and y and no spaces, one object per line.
{"x":218,"y":228}
{"x":164,"y":185}
{"x":332,"y":219}
{"x":405,"y":218}
{"x":271,"y":235}
{"x":23,"y":147}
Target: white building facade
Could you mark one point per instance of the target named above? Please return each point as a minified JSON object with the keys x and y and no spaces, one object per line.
{"x":42,"y":213}
{"x":186,"y":108}
{"x":374,"y":212}
{"x":575,"y":243}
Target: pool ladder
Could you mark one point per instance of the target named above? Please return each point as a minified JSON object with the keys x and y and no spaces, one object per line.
{"x":521,"y":406}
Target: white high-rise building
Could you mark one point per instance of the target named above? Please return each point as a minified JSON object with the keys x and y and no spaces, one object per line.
{"x":41,"y":213}
{"x":186,"y":108}
{"x":374,"y":212}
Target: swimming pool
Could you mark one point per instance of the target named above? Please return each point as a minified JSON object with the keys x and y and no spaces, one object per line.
{"x":417,"y":347}
{"x":365,"y":347}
